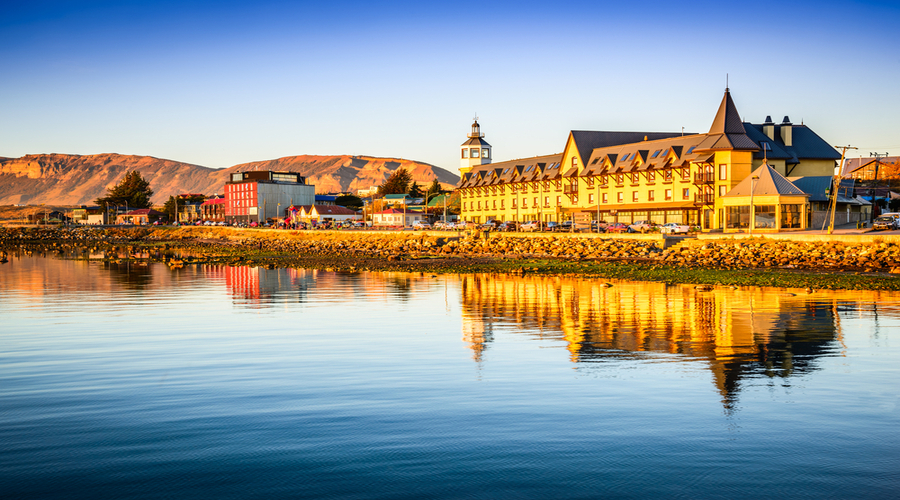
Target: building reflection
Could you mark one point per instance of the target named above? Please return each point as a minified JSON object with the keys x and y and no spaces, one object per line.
{"x":736,"y":333}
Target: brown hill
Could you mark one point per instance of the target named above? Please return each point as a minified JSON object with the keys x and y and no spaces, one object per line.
{"x":80,"y":179}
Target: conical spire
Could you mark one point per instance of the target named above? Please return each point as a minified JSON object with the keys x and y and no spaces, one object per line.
{"x":727,"y":120}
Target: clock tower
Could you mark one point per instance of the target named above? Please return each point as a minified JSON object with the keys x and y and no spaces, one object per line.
{"x":475,"y":151}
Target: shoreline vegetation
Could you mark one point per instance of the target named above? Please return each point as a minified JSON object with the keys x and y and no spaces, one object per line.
{"x":830,"y":264}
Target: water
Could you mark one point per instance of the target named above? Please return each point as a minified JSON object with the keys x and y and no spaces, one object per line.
{"x":126,"y":381}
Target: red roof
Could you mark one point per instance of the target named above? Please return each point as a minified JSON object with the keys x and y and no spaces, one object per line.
{"x":214,"y":201}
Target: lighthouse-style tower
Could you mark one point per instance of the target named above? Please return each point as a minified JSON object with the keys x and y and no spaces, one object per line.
{"x":475,"y":151}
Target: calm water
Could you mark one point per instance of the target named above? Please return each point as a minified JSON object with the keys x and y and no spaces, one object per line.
{"x":124,"y":381}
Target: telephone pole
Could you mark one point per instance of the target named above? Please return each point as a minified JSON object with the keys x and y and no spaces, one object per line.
{"x":878,"y":157}
{"x":836,"y":183}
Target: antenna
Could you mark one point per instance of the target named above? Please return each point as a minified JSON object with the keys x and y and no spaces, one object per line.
{"x":726,"y":82}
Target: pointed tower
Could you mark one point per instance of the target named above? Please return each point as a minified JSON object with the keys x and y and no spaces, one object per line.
{"x":475,"y":151}
{"x":727,"y":130}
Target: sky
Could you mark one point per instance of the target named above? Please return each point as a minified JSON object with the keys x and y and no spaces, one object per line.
{"x":222,"y":83}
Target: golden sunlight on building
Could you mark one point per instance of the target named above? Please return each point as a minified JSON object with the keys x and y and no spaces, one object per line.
{"x":658,"y":176}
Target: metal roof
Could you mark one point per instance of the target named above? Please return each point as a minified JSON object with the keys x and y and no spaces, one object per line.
{"x":769,"y":183}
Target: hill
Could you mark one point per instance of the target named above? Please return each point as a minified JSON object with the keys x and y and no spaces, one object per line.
{"x":79,"y":179}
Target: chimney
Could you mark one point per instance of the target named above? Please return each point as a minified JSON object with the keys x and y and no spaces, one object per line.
{"x":769,"y":128}
{"x":786,"y":132}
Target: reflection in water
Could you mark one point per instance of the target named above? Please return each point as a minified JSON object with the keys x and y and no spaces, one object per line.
{"x":739,"y":333}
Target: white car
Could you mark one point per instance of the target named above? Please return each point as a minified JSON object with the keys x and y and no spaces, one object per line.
{"x":421,"y":224}
{"x":674,"y":228}
{"x":529,"y":226}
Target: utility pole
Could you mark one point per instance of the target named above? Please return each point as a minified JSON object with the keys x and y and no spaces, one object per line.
{"x":878,"y":157}
{"x":835,"y":184}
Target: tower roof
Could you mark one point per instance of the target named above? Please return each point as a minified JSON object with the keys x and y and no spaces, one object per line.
{"x":727,"y":120}
{"x":727,"y":130}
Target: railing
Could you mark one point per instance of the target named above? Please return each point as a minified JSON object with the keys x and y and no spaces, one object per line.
{"x":704,"y":178}
{"x":704,"y":199}
{"x":569,"y":189}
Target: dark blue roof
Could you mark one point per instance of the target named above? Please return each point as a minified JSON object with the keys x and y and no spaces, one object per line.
{"x":586,"y":141}
{"x":806,"y":144}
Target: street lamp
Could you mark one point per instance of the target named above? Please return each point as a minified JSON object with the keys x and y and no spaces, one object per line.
{"x":752,"y":211}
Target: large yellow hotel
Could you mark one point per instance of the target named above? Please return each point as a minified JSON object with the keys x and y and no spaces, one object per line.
{"x":631,"y":176}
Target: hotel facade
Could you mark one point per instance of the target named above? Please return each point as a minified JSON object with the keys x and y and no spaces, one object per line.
{"x":658,"y":176}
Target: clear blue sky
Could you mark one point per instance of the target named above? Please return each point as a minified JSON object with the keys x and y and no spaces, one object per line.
{"x":221,"y":83}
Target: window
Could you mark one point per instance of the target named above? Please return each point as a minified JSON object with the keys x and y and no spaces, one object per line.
{"x":766,"y":146}
{"x":495,"y":204}
{"x":635,"y":177}
{"x":620,"y":197}
{"x":559,"y":201}
{"x":465,"y":152}
{"x":514,"y":202}
{"x":634,"y":196}
{"x":737,"y":217}
{"x":686,"y":193}
{"x":546,"y":201}
{"x":479,"y":205}
{"x":651,"y":176}
{"x":667,"y":175}
{"x":591,"y":198}
{"x":723,"y":172}
{"x":790,"y":216}
{"x":524,"y":202}
{"x":651,"y":196}
{"x":605,"y":198}
{"x":765,"y":216}
{"x":668,"y":195}
{"x":656,"y":153}
{"x":620,"y":178}
{"x":501,"y":204}
{"x":536,"y":202}
{"x":691,"y":150}
{"x":723,"y":190}
{"x":486,"y":153}
{"x":574,"y":161}
{"x":474,"y":152}
{"x":685,"y":174}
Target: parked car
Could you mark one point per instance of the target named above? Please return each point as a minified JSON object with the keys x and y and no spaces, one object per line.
{"x":564,"y":227}
{"x":421,"y":224}
{"x":643,"y":226}
{"x":674,"y":228}
{"x":598,"y":227}
{"x":618,"y":227}
{"x":551,"y":226}
{"x":884,"y":222}
{"x":896,"y":217}
{"x":491,"y":224}
{"x":531,"y":225}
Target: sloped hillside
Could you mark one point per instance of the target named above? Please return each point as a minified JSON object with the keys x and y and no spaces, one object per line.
{"x":79,"y":179}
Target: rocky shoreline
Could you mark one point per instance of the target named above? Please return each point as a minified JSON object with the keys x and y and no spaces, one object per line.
{"x":874,"y":265}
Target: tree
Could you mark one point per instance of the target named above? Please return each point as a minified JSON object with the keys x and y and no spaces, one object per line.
{"x":350,"y":201}
{"x":415,"y":191}
{"x":434,"y":189}
{"x":397,"y":183}
{"x":132,"y":191}
{"x":169,"y":206}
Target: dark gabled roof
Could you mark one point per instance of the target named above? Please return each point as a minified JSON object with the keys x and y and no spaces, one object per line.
{"x":587,"y":141}
{"x":853,"y":164}
{"x":516,"y":171}
{"x":805,"y":144}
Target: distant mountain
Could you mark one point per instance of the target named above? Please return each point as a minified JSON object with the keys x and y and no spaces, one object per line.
{"x":79,"y":179}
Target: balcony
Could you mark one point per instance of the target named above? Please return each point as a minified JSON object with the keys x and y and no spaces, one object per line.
{"x":570,"y":189}
{"x":704,"y":178}
{"x":704,"y":199}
